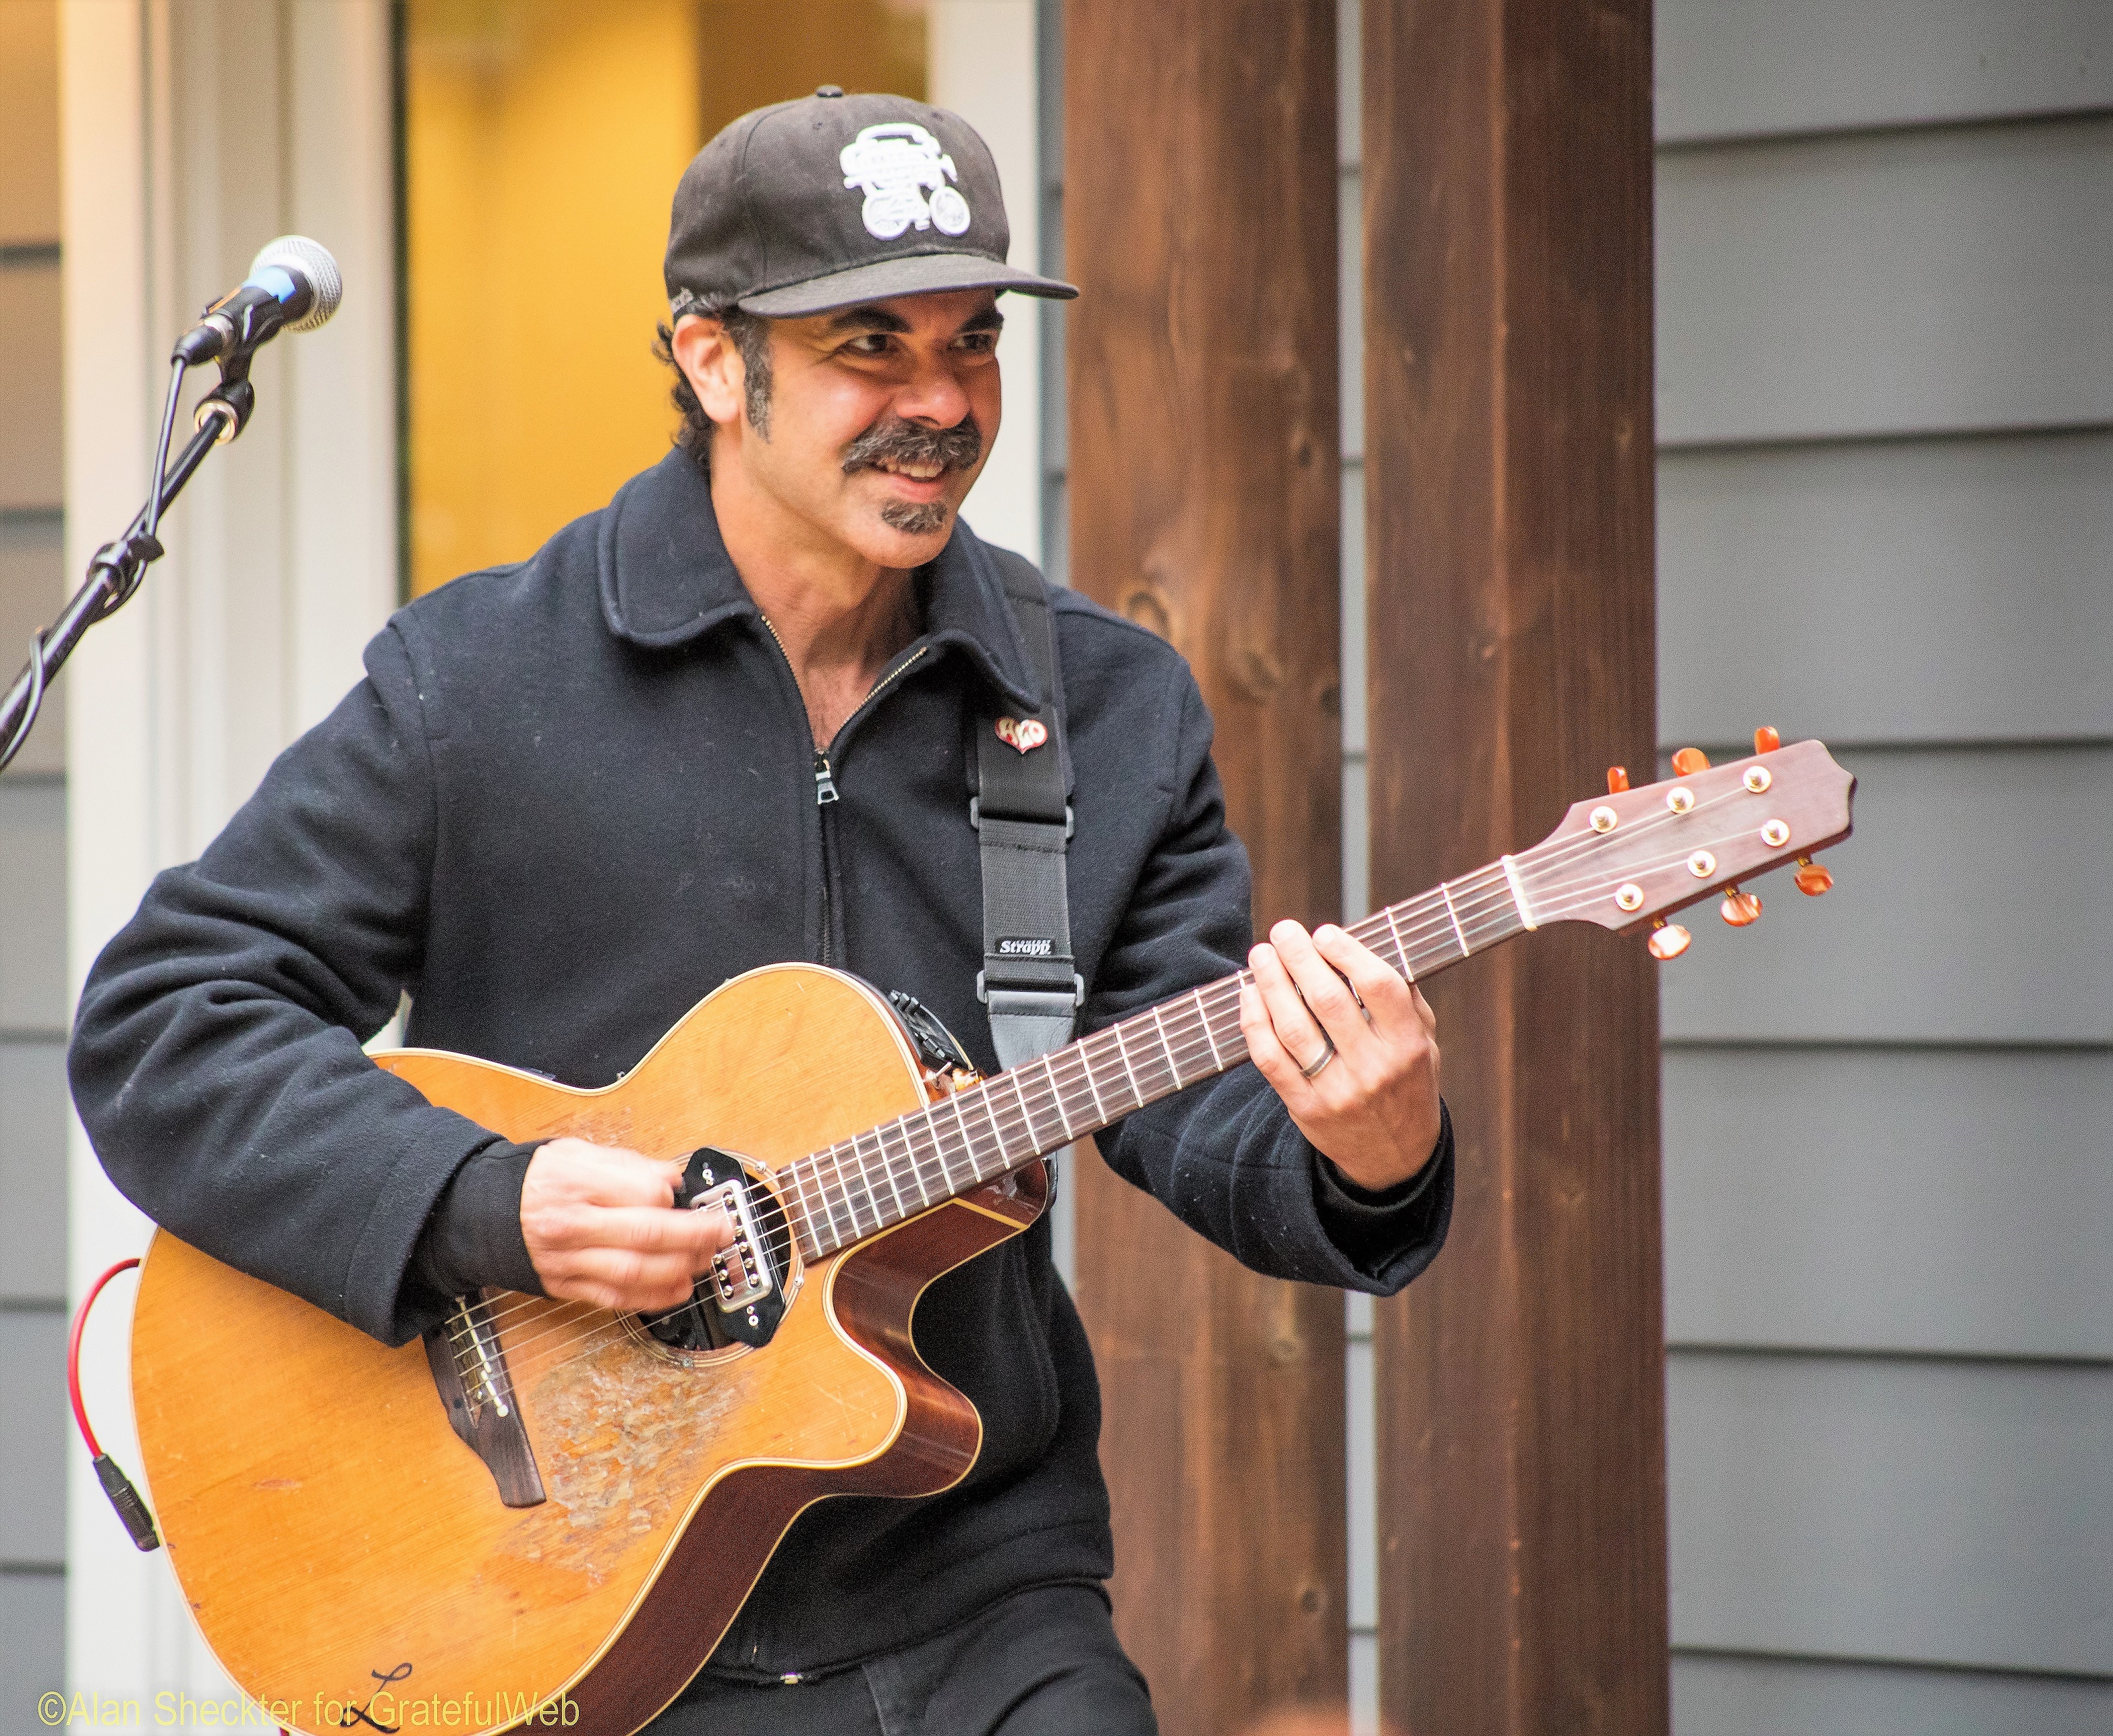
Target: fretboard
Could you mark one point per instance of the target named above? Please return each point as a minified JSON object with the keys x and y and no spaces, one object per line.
{"x":866,"y":1184}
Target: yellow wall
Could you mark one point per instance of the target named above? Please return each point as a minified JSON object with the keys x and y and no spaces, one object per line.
{"x":543,"y":141}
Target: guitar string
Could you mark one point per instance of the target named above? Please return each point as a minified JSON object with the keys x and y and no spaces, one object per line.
{"x":826,"y":1175}
{"x":1488,"y":898}
{"x":835,"y":1192}
{"x":976,"y":1147}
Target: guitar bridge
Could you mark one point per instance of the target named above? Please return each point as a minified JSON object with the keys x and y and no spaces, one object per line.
{"x":469,"y":1369}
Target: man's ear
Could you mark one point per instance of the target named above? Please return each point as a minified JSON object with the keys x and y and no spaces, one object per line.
{"x":711,"y":362}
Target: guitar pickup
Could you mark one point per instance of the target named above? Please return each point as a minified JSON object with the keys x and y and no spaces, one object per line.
{"x":742,"y":1272}
{"x":741,"y":1298}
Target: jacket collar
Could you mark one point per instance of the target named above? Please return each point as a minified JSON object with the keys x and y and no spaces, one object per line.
{"x":666,"y":579}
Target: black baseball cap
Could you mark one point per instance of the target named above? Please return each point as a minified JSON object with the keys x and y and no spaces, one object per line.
{"x":835,"y":199}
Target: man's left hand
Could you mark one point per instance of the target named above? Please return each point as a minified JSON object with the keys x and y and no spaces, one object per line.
{"x":1349,"y":1046}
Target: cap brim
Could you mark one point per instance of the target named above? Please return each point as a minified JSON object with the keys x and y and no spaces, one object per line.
{"x":920,"y":274}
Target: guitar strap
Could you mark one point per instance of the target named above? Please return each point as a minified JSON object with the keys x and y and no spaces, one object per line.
{"x":1029,"y":980}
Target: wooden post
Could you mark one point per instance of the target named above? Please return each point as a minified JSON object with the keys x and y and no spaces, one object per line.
{"x":1200,"y":225}
{"x":1508,"y":297}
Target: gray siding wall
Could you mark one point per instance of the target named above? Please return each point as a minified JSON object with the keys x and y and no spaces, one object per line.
{"x":33,"y":1104}
{"x":1885,"y":324}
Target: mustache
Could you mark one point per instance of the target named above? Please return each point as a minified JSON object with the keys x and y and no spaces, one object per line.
{"x":896,"y":441}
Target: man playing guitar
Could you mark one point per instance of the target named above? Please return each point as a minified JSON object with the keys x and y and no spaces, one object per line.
{"x":721,"y":722}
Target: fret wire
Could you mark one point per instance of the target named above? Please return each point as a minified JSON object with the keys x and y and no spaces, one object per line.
{"x":1095,"y":1052}
{"x":968,"y":1140}
{"x":936,"y":1134}
{"x":1056,"y":1097}
{"x":1094,"y":1085}
{"x":818,"y":1220}
{"x":1017,"y":1147}
{"x":887,"y":1174}
{"x":1026,"y":1114}
{"x":1173,"y":1066}
{"x":1400,"y":952}
{"x":1025,"y":1140}
{"x":892,"y":1169}
{"x":865,"y":1195}
{"x":1122,"y":1049}
{"x":1210,"y":1036}
{"x":971,"y":1140}
{"x":830,"y":1205}
{"x":1006,"y":1145}
{"x":1005,"y":1158}
{"x":858,"y":1191}
{"x":909,"y":1152}
{"x":990,"y":1139}
{"x":864,"y":1181}
{"x":832,"y":1232}
{"x":1445,"y":894}
{"x":810,"y":1249}
{"x":922,"y":1138}
{"x":851,"y":1197}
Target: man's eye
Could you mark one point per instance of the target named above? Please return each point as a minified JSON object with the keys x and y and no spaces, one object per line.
{"x":870,"y":343}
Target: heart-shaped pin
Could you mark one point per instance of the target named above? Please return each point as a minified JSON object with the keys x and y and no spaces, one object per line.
{"x":1024,"y":736}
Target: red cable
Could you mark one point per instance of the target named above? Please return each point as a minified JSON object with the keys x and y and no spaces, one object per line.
{"x":73,"y":1354}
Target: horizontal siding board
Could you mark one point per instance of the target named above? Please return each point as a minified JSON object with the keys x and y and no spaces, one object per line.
{"x":1890,"y":591}
{"x":32,"y":904}
{"x":32,"y":578}
{"x":1731,"y":68}
{"x":33,"y":1419}
{"x":33,"y":1178}
{"x":33,"y":1661}
{"x":1969,"y":906}
{"x":1798,"y":1696}
{"x":1898,"y":283}
{"x":1910,"y":1511}
{"x":1941,"y":1201}
{"x":29,"y":399}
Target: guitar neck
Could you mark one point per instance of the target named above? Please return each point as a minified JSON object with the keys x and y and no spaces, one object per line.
{"x":864,"y":1185}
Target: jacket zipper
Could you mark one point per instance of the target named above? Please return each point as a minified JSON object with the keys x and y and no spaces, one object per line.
{"x":825,"y":782}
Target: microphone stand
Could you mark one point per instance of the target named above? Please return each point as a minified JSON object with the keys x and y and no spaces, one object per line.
{"x":118,"y":566}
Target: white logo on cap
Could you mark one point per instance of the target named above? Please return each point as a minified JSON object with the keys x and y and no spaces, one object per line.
{"x":895,"y":163}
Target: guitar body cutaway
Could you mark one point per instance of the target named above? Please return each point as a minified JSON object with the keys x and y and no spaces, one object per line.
{"x":347,"y":1556}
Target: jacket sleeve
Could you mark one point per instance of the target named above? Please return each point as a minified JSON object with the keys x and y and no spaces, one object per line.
{"x":1224,"y":1156}
{"x":216,"y":1057}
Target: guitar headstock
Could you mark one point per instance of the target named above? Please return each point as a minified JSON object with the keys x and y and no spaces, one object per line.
{"x":1628,"y":860}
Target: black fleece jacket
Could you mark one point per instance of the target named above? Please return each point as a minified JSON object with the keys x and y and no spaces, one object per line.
{"x":574,"y":796}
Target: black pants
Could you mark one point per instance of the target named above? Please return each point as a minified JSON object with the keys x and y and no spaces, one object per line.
{"x":1042,"y":1663}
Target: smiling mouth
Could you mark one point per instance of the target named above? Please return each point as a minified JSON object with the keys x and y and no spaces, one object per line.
{"x":930,"y":471}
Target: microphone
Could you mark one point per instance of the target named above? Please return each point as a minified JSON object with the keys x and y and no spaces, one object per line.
{"x":293,"y":285}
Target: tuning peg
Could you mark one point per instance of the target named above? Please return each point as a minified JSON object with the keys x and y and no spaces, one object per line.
{"x":1739,"y":908}
{"x":1690,"y":760}
{"x":1667,"y":940}
{"x":1812,"y":879}
{"x":1617,"y":779}
{"x":1766,"y":740}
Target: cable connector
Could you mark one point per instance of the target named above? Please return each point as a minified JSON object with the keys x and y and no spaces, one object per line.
{"x":126,"y":1499}
{"x":131,"y":1507}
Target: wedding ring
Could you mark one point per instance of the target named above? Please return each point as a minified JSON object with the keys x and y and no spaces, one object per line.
{"x":1327,"y":1055}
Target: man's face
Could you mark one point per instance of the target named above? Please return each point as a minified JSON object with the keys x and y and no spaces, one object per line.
{"x":880,"y":418}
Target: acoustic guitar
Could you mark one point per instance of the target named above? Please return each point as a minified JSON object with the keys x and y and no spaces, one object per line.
{"x":547,"y":1514}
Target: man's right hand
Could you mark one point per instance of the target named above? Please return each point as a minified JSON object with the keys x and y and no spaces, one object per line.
{"x":600,"y":1227}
